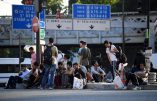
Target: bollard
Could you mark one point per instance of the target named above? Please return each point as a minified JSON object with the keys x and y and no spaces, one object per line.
{"x":148,"y":54}
{"x":151,"y":77}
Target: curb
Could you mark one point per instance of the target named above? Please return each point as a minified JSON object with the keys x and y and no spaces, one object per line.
{"x":110,"y":86}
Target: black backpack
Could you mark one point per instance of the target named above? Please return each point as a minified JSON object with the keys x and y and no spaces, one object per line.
{"x":48,"y":55}
{"x":123,"y":58}
{"x":118,"y":54}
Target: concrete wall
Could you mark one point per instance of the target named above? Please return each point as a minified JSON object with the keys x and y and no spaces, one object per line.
{"x":135,"y":28}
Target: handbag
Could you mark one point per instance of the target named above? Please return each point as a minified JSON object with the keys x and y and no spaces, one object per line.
{"x":78,"y":83}
{"x":118,"y":83}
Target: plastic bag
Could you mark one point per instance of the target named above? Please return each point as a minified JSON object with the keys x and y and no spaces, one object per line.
{"x":118,"y":83}
{"x":78,"y":83}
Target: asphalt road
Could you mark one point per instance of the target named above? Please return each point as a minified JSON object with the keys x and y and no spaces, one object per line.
{"x":77,"y":95}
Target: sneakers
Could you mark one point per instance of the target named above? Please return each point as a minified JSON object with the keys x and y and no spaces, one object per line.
{"x":41,"y":88}
{"x":92,"y":81}
{"x":124,"y":88}
{"x":137,"y":88}
{"x":50,"y":88}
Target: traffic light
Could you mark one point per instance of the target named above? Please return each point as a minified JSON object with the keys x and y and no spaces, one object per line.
{"x":27,"y":2}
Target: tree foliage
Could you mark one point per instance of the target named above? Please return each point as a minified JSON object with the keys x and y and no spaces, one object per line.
{"x":98,"y":1}
{"x":53,"y":5}
{"x":116,"y":5}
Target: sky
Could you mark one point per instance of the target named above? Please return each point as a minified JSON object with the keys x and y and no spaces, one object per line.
{"x":6,"y":6}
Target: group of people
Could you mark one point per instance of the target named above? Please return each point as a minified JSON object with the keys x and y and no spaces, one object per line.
{"x":137,"y":75}
{"x":60,"y":74}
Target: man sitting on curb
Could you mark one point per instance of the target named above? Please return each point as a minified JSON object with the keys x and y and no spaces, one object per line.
{"x":24,"y":75}
{"x":137,"y":76}
{"x":97,"y":73}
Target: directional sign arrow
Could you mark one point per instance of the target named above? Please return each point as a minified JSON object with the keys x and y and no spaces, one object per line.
{"x":59,"y":26}
{"x":28,"y":25}
{"x":91,"y":27}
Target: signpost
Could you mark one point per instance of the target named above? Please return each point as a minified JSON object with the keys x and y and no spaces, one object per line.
{"x":42,"y":18}
{"x":103,"y":25}
{"x":42,"y":33}
{"x":22,"y":19}
{"x":22,"y":16}
{"x":59,"y":24}
{"x":91,"y":11}
{"x":91,"y":17}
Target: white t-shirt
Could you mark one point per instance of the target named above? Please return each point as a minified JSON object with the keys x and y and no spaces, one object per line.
{"x":112,"y":56}
{"x":79,"y":51}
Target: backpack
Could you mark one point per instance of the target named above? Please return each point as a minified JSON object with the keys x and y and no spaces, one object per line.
{"x":118,"y":54}
{"x":123,"y":58}
{"x":48,"y":55}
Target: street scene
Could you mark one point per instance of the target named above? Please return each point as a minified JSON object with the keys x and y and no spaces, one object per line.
{"x":78,"y":50}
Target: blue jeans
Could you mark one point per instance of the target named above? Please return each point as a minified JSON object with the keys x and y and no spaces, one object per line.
{"x":48,"y":77}
{"x":113,"y":68}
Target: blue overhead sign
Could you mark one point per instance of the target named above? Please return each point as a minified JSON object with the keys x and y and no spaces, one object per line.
{"x":42,"y":19}
{"x":22,"y":16}
{"x":91,"y":11}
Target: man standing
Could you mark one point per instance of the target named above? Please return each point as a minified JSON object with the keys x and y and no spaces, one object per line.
{"x":50,"y":62}
{"x":85,"y":55}
{"x":111,"y":54}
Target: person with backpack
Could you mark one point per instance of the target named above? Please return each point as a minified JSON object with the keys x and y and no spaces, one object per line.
{"x":50,"y":63}
{"x":111,"y":54}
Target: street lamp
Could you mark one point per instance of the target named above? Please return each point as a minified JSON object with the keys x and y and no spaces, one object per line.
{"x":123,"y":30}
{"x":148,"y":25}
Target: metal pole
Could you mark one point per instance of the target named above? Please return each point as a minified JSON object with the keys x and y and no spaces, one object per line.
{"x":38,"y":55}
{"x":20,"y":52}
{"x":123,"y":30}
{"x":148,"y":24}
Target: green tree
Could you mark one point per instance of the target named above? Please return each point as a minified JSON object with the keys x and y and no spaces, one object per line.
{"x":53,"y":5}
{"x":98,"y":1}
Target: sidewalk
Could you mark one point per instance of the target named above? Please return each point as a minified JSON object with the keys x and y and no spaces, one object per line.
{"x":110,"y":86}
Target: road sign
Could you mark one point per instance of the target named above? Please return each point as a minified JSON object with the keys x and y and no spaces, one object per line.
{"x":22,"y":16}
{"x":91,"y":11}
{"x":35,"y":24}
{"x":59,"y":24}
{"x":103,"y":25}
{"x":42,"y":33}
{"x":42,"y":19}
